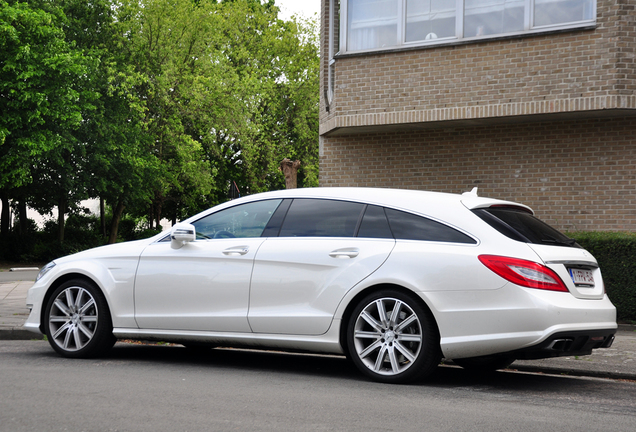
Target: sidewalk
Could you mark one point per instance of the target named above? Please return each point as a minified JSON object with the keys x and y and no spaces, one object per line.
{"x":617,"y":362}
{"x":13,"y":310}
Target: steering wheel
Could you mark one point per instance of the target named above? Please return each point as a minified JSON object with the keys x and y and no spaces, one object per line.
{"x":223,"y":234}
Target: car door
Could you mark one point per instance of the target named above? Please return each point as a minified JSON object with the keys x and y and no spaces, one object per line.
{"x":301,"y":276}
{"x":203,"y":285}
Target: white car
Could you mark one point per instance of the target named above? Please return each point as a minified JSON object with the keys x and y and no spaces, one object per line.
{"x":394,"y":279}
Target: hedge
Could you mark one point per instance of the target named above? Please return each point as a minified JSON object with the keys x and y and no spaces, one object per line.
{"x":616,"y":255}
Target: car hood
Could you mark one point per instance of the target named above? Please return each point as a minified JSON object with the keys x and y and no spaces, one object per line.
{"x":117,"y":250}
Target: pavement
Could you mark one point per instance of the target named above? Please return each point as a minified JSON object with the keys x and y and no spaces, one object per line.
{"x":616,"y":362}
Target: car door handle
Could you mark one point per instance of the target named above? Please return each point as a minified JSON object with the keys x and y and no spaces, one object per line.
{"x":344,"y":253}
{"x":237,"y":250}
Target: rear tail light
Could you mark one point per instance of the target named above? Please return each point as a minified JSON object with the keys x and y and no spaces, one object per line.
{"x":524,"y":273}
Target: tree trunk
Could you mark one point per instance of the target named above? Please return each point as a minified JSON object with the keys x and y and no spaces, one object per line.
{"x":290,"y":169}
{"x":61,"y":211}
{"x":6,"y":214}
{"x":102,"y":216}
{"x":158,"y":210}
{"x":151,"y":215}
{"x":117,"y":212}
{"x":22,"y":215}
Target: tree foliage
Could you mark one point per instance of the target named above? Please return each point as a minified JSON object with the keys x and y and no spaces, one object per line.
{"x":155,"y":106}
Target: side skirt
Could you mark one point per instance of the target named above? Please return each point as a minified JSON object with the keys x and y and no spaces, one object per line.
{"x":327,"y":343}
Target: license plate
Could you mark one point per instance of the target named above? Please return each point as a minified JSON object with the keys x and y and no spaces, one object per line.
{"x":582,"y":277}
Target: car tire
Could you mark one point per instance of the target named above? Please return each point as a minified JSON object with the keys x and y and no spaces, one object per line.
{"x":484,"y":364}
{"x":392,"y":338}
{"x":77,"y":320}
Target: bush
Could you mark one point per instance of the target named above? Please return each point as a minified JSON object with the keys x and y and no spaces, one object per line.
{"x":616,"y":255}
{"x":15,"y":247}
{"x":81,"y":232}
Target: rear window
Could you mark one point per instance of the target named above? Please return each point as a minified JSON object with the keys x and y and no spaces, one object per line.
{"x":520,"y":225}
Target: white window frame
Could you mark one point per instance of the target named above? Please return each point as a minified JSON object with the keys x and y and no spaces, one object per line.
{"x":529,"y":28}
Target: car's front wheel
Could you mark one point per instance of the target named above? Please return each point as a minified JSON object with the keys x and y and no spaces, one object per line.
{"x":77,"y":320}
{"x":391,"y":338}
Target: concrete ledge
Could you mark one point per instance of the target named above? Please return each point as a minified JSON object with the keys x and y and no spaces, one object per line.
{"x":606,"y":106}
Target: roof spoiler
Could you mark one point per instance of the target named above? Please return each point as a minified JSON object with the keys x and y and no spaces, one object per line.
{"x":473,"y":192}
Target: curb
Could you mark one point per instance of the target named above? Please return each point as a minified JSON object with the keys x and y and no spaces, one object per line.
{"x":615,"y":375}
{"x":19,"y":334}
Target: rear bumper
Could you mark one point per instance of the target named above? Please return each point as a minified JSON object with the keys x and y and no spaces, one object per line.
{"x":528,"y":322}
{"x":566,"y":344}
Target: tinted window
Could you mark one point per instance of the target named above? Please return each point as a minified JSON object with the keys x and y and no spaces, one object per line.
{"x":374,"y":224}
{"x":274,"y":224}
{"x":408,"y":226}
{"x":321,"y":218}
{"x":522,"y":226}
{"x":246,"y":220}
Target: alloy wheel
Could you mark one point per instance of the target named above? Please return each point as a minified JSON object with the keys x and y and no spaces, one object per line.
{"x":73,"y":318}
{"x":388,"y":336}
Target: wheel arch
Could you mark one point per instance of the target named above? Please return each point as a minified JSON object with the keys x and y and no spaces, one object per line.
{"x":346,"y":315}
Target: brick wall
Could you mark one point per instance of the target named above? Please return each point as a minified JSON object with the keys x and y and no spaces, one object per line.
{"x":572,"y":71}
{"x":576,"y":175}
{"x":441,"y":118}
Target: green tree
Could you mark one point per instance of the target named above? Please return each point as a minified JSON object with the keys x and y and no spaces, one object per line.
{"x":185,"y":88}
{"x":155,"y":106}
{"x":120,"y":165}
{"x":278,"y":66}
{"x":41,"y":96}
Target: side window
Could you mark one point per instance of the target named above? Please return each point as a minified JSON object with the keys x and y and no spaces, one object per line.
{"x":374,"y":224}
{"x":321,"y":218}
{"x":274,"y":224}
{"x":408,"y":226}
{"x":245,"y":220}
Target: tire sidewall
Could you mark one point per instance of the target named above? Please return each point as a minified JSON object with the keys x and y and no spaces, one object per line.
{"x":102,"y":339}
{"x":429,"y":355}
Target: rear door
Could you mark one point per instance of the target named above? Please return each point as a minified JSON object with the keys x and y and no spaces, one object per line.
{"x":301,"y":276}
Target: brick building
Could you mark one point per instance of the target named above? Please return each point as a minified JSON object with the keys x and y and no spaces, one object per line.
{"x":530,"y":100}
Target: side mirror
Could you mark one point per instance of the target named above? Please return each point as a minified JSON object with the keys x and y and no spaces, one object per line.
{"x":181,"y":234}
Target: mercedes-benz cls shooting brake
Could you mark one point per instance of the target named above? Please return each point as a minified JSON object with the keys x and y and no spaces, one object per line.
{"x":394,"y":279}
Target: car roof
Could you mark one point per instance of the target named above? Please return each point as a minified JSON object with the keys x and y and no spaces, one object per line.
{"x":435,"y":204}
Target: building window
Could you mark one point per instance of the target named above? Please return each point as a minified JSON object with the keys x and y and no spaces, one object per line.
{"x":430,"y":19}
{"x":556,"y":12}
{"x":387,"y":24}
{"x":372,"y":24}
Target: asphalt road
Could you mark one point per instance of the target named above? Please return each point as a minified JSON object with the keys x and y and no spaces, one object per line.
{"x":166,"y":388}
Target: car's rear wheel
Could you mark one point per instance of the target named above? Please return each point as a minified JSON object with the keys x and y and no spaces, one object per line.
{"x":77,"y":320}
{"x":391,"y":338}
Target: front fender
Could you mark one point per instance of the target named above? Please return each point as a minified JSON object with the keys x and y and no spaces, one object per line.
{"x":111,"y":268}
